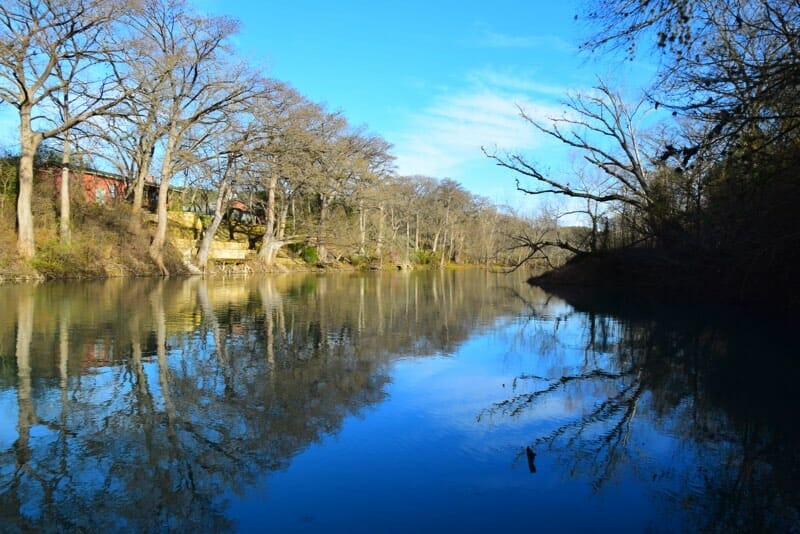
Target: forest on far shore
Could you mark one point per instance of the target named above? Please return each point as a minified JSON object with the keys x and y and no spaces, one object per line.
{"x":154,"y":93}
{"x":398,"y":222}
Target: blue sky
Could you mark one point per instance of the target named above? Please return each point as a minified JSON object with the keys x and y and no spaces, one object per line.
{"x":437,"y":79}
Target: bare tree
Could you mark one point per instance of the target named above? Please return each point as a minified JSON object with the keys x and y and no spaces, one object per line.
{"x":343,"y":160}
{"x":226,"y":176}
{"x":237,"y":151}
{"x":423,"y":187}
{"x":370,"y":185}
{"x":449,"y":197}
{"x":285,"y":154}
{"x":64,"y":208}
{"x":131,"y":138}
{"x":604,"y":129}
{"x":197,"y":88}
{"x":331,"y":161}
{"x":45,"y":47}
{"x":732,"y":65}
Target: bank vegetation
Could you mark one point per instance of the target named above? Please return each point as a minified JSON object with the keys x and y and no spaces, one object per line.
{"x":692,"y":186}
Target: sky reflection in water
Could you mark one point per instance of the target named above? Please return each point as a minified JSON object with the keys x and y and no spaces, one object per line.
{"x":390,"y":402}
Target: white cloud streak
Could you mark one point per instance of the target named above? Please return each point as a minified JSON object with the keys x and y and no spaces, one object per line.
{"x":447,"y":136}
{"x":492,"y":39}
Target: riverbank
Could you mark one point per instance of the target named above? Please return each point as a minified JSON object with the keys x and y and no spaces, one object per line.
{"x":114,"y":243}
{"x":653,"y":277}
{"x":103,"y":243}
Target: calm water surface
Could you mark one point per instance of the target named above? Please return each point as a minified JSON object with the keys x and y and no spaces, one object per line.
{"x":455,"y":401}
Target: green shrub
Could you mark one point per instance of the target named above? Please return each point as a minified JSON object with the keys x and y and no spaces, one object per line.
{"x":310,"y":255}
{"x":79,"y":259}
{"x":422,"y":257}
{"x":359,"y":261}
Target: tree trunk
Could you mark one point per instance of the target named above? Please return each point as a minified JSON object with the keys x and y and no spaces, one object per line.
{"x":270,"y":245}
{"x":282,"y":223}
{"x":294,"y":218}
{"x":141,"y":177}
{"x":362,"y":227}
{"x":408,"y":238}
{"x":205,"y":245}
{"x":160,"y":237}
{"x":379,"y":245}
{"x":416,"y":231}
{"x":64,"y":217}
{"x":392,"y":225}
{"x":29,"y":142}
{"x":443,"y":257}
{"x":459,"y":250}
{"x":138,"y":190}
{"x":322,"y":249}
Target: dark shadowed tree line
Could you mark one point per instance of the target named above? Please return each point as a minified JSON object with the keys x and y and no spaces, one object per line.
{"x":702,"y":168}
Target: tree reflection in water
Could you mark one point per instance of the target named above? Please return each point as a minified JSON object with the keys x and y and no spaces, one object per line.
{"x":728,"y":400}
{"x":158,"y":417}
{"x":140,"y":404}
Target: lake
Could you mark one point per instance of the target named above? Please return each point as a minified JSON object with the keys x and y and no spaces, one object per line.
{"x":389,"y":402}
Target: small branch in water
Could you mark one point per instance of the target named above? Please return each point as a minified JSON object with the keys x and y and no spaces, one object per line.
{"x":515,"y":405}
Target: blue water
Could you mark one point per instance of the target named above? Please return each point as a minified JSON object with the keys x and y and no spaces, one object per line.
{"x":420,"y":461}
{"x":387,"y":402}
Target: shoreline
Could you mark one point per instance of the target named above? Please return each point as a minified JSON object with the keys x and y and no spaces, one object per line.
{"x":655,"y":279}
{"x":285,"y":265}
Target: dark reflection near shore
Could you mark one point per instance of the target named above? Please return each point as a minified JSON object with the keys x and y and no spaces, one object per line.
{"x":721,"y":389}
{"x":139,"y":404}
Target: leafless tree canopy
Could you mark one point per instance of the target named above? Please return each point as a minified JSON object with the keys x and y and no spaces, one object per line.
{"x":731,"y":64}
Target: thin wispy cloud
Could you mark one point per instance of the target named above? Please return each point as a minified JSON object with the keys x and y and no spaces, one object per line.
{"x":491,"y":39}
{"x":448,"y":135}
{"x":513,"y":81}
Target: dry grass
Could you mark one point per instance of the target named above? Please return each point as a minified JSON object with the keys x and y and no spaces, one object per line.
{"x":11,"y":268}
{"x":106,"y":241}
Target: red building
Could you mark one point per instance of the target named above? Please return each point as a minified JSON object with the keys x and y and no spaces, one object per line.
{"x":104,"y":187}
{"x":98,"y":186}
